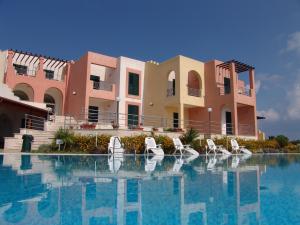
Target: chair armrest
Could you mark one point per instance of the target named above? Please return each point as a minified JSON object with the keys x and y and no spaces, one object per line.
{"x":159,"y":145}
{"x":219,"y":146}
{"x":186,"y":145}
{"x":242,"y":146}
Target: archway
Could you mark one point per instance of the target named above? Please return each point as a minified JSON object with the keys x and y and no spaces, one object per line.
{"x":53,"y":98}
{"x":24,"y":92}
{"x":171,"y":83}
{"x":194,"y":84}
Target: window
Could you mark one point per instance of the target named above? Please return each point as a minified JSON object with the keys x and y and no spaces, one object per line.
{"x":227,"y":85}
{"x":93,"y":113}
{"x":96,"y":81}
{"x":133,"y":84}
{"x":133,"y":115}
{"x":20,"y":69}
{"x":49,"y":74}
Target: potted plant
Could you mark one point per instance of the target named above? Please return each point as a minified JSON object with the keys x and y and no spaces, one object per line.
{"x":87,"y":126}
{"x":154,"y":129}
{"x":114,"y":125}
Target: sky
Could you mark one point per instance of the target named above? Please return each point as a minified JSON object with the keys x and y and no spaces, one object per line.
{"x":265,"y":34}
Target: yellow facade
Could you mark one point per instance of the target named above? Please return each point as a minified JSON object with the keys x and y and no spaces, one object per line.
{"x":157,"y":99}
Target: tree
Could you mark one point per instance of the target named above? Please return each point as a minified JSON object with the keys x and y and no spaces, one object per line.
{"x":282,"y":140}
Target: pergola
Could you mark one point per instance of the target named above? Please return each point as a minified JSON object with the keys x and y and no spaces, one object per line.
{"x":28,"y":58}
{"x":239,"y":66}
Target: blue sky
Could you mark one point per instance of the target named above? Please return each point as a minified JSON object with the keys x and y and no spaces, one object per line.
{"x":265,"y":34}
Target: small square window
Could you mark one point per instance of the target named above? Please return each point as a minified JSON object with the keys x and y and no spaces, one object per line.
{"x":49,"y":74}
{"x":20,"y":69}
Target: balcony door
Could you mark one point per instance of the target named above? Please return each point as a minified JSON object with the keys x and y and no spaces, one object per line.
{"x":133,"y":115}
{"x":175,"y":120}
{"x":228,"y":123}
{"x":96,"y":81}
{"x":226,"y":85}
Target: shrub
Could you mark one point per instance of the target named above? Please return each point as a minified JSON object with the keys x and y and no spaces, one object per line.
{"x":45,"y":148}
{"x":84,"y":143}
{"x":282,"y":140}
{"x":134,"y":144}
{"x":189,"y":136}
{"x":66,"y":136}
{"x":166,"y":143}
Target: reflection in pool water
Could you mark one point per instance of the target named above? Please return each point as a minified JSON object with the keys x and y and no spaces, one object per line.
{"x":41,"y":189}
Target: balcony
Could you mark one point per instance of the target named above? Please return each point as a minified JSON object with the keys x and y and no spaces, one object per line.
{"x":196,"y":92}
{"x":244,"y":91}
{"x":21,"y":70}
{"x":102,"y":89}
{"x":102,"y":85}
{"x":170,"y":92}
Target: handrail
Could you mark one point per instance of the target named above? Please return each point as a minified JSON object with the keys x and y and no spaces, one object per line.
{"x":196,"y":92}
{"x":108,"y":120}
{"x":102,"y":85}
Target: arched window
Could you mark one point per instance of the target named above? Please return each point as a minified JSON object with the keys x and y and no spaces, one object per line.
{"x":171,"y":84}
{"x":194,"y":84}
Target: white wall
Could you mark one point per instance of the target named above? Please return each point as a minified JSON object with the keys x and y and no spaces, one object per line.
{"x":125,"y":63}
{"x":103,"y":72}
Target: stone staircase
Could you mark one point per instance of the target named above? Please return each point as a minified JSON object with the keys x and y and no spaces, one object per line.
{"x":14,"y":144}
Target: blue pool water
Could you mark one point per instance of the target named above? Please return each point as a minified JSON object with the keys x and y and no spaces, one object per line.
{"x":93,"y":190}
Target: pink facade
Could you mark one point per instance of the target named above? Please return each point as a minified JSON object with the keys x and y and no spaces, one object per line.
{"x":233,"y":106}
{"x":94,"y":80}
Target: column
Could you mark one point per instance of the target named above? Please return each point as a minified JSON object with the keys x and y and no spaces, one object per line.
{"x":252,"y":82}
{"x":234,"y":88}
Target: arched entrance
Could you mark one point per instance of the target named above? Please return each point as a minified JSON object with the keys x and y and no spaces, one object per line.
{"x":194,"y":84}
{"x":53,"y":99}
{"x":24,"y":92}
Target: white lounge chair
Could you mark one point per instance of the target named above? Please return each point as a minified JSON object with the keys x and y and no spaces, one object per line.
{"x":235,"y":161}
{"x":183,"y":148}
{"x":216,"y":148}
{"x":238,"y":149}
{"x":115,"y":146}
{"x":178,"y":164}
{"x":212,"y":161}
{"x":115,"y":162}
{"x":150,"y":145}
{"x":150,"y":164}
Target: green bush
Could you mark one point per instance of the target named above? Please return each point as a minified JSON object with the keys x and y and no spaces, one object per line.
{"x":166,"y":143}
{"x":189,"y":136}
{"x":282,"y":140}
{"x":66,"y":136}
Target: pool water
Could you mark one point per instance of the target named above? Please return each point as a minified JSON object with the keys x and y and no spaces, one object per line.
{"x":94,"y":190}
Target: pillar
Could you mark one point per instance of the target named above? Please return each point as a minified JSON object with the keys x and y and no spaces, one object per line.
{"x":234,"y":89}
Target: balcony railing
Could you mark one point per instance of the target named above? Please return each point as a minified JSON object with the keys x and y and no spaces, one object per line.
{"x":194,"y":92}
{"x":244,"y":91}
{"x":170,"y":92}
{"x":102,"y":85}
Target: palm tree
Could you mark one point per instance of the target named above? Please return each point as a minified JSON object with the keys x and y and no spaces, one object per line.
{"x":189,"y":136}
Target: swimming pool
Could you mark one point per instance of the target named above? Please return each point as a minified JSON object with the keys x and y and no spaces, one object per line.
{"x":93,"y":190}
